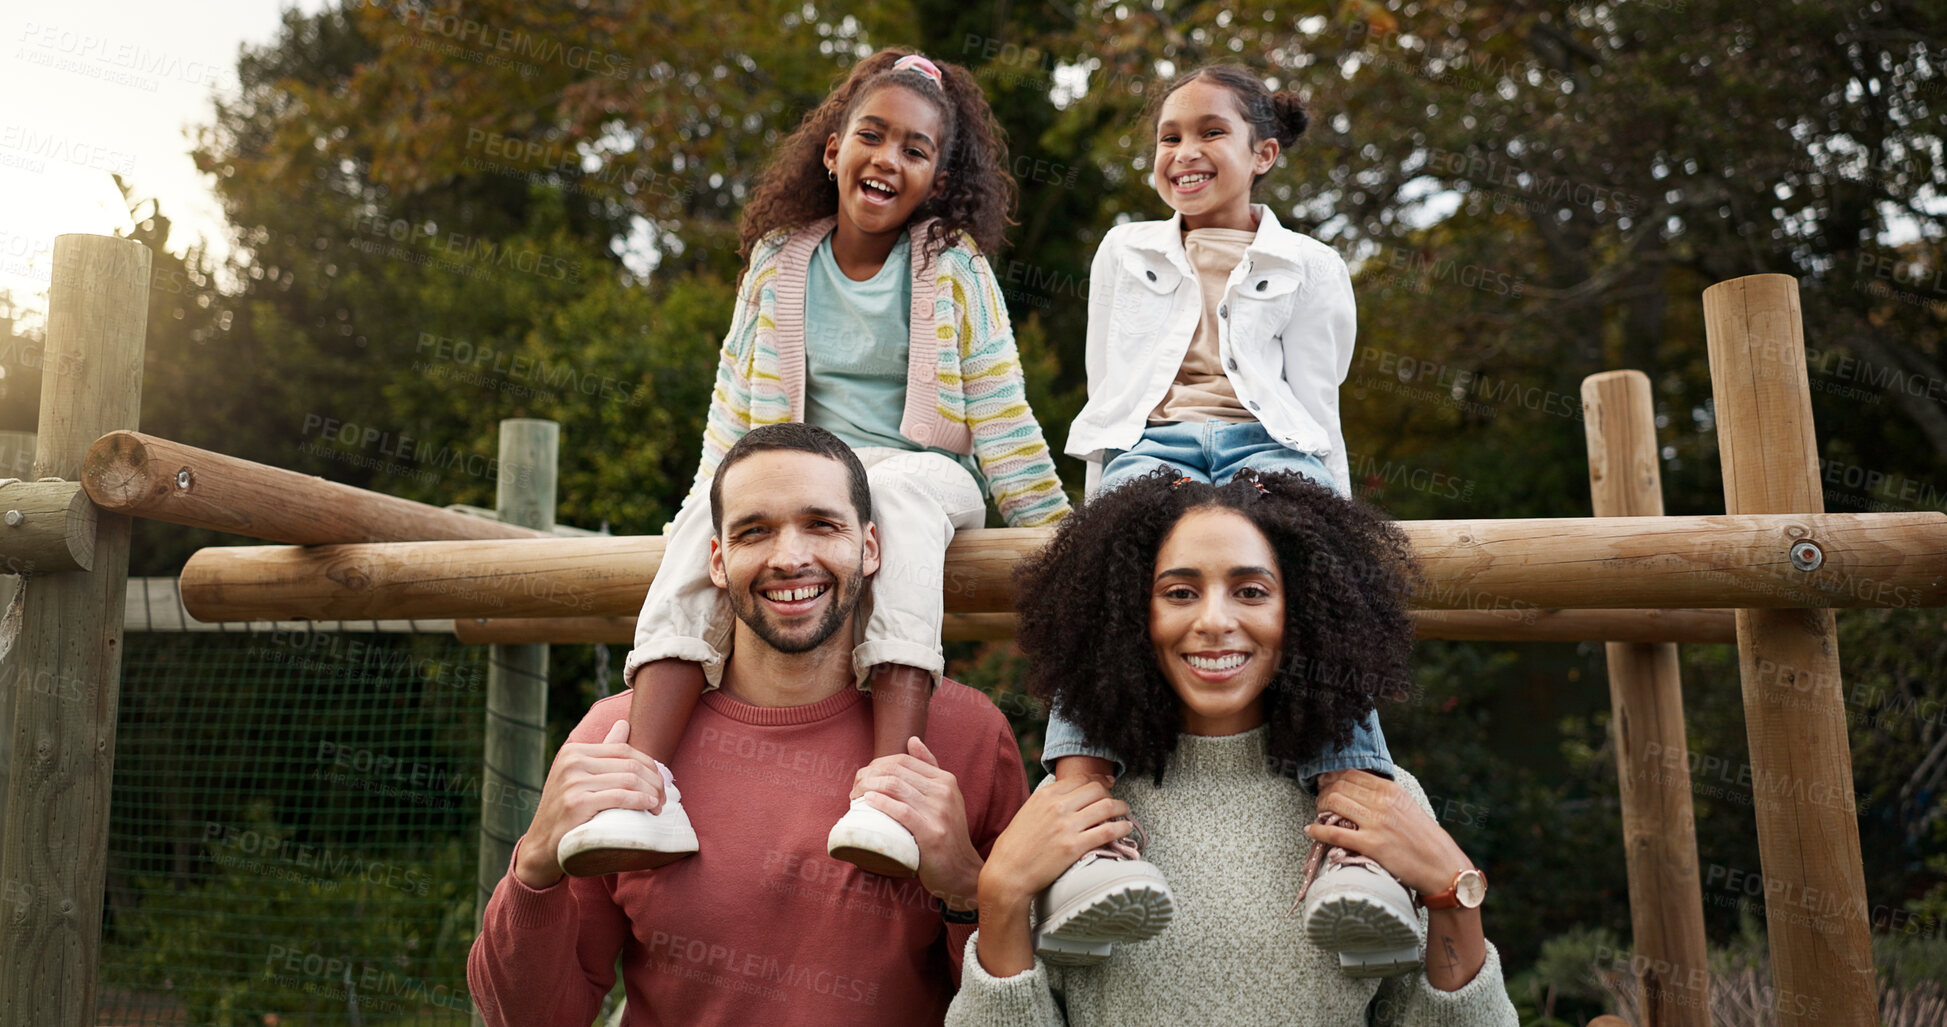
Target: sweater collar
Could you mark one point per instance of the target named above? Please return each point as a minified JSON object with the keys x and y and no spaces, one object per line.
{"x":773,"y":716}
{"x":1245,"y":753}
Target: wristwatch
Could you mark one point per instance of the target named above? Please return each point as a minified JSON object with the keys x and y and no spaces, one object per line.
{"x":1469,"y":887}
{"x":958,"y":916}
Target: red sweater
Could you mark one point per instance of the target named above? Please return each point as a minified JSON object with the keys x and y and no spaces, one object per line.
{"x":760,"y":926}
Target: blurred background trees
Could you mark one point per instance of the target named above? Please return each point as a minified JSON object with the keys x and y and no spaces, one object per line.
{"x":454,"y":213}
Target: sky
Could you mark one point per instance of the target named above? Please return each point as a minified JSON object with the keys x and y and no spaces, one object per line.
{"x":97,"y":87}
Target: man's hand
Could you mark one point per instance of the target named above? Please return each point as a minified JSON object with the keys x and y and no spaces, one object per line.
{"x":587,"y":778}
{"x":926,"y":800}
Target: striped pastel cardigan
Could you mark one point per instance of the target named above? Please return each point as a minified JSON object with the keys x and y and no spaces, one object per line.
{"x":964,"y":391}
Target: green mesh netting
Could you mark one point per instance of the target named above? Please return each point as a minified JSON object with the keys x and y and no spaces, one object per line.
{"x":294,"y":829}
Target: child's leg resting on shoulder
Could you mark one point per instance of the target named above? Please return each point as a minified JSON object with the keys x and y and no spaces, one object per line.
{"x":900,"y":696}
{"x":1110,"y":895}
{"x":918,"y":501}
{"x":684,"y":624}
{"x":1066,"y":754}
{"x":1367,"y":751}
{"x":661,"y":699}
{"x":1085,"y":768}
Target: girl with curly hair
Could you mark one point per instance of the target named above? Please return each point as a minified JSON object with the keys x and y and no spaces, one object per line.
{"x":867,"y":309}
{"x":1220,"y":638}
{"x":1217,"y":341}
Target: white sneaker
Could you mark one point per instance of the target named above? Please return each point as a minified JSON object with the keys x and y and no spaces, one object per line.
{"x":872,"y":841}
{"x":1357,"y":909}
{"x":1110,"y":895}
{"x":617,"y":840}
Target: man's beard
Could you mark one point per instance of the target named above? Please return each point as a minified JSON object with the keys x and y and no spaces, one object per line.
{"x":845,"y":592}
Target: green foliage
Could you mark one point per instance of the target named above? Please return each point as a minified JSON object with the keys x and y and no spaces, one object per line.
{"x":301,"y":939}
{"x":1562,"y":980}
{"x":998,"y":670}
{"x":432,"y":235}
{"x":1591,"y":973}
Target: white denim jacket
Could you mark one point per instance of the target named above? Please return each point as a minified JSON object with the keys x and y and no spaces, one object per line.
{"x":1285,"y":335}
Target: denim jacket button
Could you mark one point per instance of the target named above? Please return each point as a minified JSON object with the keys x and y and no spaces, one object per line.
{"x":1262,"y":282}
{"x":1231,"y":363}
{"x":1223,"y":311}
{"x":1253,"y":404}
{"x":1151,"y":274}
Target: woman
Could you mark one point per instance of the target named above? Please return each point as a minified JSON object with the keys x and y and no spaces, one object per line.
{"x":1218,"y":638}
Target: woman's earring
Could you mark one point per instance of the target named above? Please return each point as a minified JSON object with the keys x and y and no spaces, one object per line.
{"x":831,"y":174}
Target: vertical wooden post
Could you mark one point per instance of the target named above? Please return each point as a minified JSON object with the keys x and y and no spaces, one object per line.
{"x":1801,"y":759}
{"x":16,"y":461}
{"x":66,"y":664}
{"x":516,"y":763}
{"x":1666,"y":904}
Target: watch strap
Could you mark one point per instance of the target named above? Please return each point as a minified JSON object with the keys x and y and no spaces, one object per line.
{"x":1450,"y":899}
{"x":959,"y":916}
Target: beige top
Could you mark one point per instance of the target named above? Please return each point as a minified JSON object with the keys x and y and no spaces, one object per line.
{"x":1201,"y":391}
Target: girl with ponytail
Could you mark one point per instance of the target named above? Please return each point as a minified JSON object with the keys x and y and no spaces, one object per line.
{"x":1217,"y":341}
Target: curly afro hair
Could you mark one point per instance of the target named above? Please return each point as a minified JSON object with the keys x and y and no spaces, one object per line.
{"x":977,"y":200}
{"x":1084,"y":614}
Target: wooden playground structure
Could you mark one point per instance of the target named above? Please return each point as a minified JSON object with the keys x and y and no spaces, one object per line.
{"x":1766,"y":575}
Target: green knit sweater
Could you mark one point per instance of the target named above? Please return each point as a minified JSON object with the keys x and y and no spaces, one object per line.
{"x":1230,"y":837}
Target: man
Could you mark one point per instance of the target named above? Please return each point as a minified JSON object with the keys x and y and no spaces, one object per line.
{"x":762,"y":925}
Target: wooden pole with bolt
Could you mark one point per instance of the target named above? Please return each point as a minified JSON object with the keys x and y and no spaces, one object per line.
{"x":1821,"y":951}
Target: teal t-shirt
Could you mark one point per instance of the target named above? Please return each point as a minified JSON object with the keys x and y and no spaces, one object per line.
{"x":857,"y":339}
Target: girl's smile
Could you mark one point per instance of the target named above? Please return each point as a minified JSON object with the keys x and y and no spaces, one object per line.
{"x":1205,"y":160}
{"x":886,"y":163}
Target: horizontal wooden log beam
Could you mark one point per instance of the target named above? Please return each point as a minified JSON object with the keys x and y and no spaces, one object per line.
{"x":1681,"y":626}
{"x":1509,"y":567}
{"x":143,"y":476}
{"x":46,"y":527}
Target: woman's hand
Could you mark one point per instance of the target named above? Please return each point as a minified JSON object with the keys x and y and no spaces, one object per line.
{"x":1393,"y":829}
{"x":1404,"y":839}
{"x":1059,"y":823}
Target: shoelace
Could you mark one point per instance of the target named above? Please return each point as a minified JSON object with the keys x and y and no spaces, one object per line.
{"x":1129,"y":846}
{"x":1320,"y":854}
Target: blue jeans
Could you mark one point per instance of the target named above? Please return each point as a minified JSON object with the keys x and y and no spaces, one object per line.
{"x":1367,"y":751}
{"x":1209,"y":451}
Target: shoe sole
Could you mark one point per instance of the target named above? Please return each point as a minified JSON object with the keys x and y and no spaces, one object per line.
{"x":1380,"y":964}
{"x":1370,"y":937}
{"x":1066,"y":952}
{"x":870,"y":850}
{"x":1128,"y":913}
{"x":602,"y":862}
{"x":605,"y":846}
{"x":872,"y":861}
